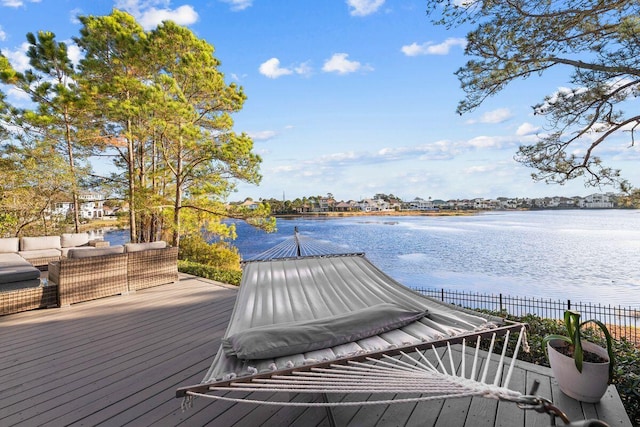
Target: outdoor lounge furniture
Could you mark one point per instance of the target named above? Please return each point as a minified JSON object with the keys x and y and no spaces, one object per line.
{"x":39,"y":251}
{"x":20,"y":287}
{"x":151,"y":264}
{"x":89,"y":273}
{"x":81,"y":272}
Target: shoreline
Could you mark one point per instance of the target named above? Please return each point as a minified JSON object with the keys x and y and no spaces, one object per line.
{"x":378,"y":213}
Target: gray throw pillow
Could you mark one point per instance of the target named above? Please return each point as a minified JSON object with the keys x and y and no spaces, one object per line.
{"x":285,"y":339}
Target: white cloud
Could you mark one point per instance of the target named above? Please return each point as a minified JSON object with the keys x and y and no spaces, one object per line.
{"x":428,"y":48}
{"x":17,"y":98}
{"x":3,"y":35}
{"x":499,"y":115}
{"x":262,"y":135}
{"x":526,"y":129}
{"x":184,"y":15}
{"x":271,"y":68}
{"x":12,"y":3}
{"x":238,"y":77}
{"x":480,"y":169}
{"x":484,"y":142}
{"x":73,"y":15}
{"x":303,"y":69}
{"x":74,"y":52}
{"x":364,"y":7}
{"x":339,"y":63}
{"x":150,"y":13}
{"x":17,"y":94}
{"x":237,"y":5}
{"x":18,"y":58}
{"x":135,"y":7}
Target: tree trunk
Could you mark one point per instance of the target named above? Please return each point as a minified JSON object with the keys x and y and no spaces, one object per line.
{"x":72,"y":169}
{"x":178,"y":200}
{"x":133,"y":234}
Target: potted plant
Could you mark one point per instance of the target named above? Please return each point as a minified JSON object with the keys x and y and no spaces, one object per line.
{"x":583,"y":369}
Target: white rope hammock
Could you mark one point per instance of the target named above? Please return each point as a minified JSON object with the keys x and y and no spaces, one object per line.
{"x":437,"y":378}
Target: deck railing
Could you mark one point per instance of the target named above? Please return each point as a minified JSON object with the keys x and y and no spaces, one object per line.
{"x":622,"y":321}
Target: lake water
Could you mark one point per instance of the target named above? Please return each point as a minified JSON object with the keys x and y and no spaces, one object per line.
{"x":588,"y":256}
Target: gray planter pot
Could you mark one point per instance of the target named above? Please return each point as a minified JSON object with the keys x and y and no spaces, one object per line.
{"x":588,"y":386}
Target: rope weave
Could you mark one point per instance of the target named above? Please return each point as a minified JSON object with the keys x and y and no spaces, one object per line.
{"x":418,"y":375}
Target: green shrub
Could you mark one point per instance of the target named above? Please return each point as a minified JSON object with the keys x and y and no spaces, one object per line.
{"x":195,"y":248}
{"x":231,"y":277}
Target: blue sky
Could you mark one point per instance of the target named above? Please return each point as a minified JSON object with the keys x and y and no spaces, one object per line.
{"x":349,"y":97}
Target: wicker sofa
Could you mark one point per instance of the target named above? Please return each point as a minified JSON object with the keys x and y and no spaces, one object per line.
{"x":20,"y":287}
{"x":83,"y":273}
{"x":42,"y":250}
{"x":91,"y":273}
{"x":150,"y":264}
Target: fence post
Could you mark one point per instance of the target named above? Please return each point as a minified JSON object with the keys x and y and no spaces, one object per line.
{"x":442,"y":294}
{"x":568,"y":304}
{"x":500,"y":302}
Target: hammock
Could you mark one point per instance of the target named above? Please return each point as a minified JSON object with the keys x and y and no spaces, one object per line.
{"x":311,"y":317}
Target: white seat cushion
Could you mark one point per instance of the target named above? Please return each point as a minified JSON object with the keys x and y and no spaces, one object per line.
{"x":37,"y":243}
{"x":91,"y":251}
{"x":40,"y":253}
{"x":9,"y":245}
{"x":68,"y":240}
{"x":137,"y":247}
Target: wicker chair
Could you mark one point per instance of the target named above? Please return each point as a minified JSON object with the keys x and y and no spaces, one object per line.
{"x":152,"y":267}
{"x":17,"y":300}
{"x":83,"y":279}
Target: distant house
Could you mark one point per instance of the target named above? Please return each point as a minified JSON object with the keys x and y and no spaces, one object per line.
{"x":91,"y":206}
{"x":419,"y":204}
{"x":597,"y":201}
{"x":344,"y":206}
{"x":250,"y":204}
{"x":326,"y":204}
{"x":373,"y":205}
{"x":306,"y":208}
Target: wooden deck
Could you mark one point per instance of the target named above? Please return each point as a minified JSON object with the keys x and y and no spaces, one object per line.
{"x":118,"y":361}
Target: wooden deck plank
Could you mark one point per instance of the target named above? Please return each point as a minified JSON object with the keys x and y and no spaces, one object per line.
{"x":109,"y":393}
{"x":48,"y":333}
{"x":119,"y":360}
{"x":288,"y":416}
{"x":312,"y":417}
{"x":398,"y":413}
{"x":533,"y":418}
{"x":610,"y":409}
{"x":457,"y":412}
{"x":26,"y":408}
{"x":507,"y":413}
{"x":571,"y":407}
{"x":89,"y":352}
{"x":370,"y":415}
{"x":112,"y":367}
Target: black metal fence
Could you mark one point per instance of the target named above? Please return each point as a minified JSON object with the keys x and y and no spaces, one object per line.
{"x":621,"y":321}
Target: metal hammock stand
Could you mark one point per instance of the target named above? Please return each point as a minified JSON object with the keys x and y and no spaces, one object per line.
{"x":434,"y":369}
